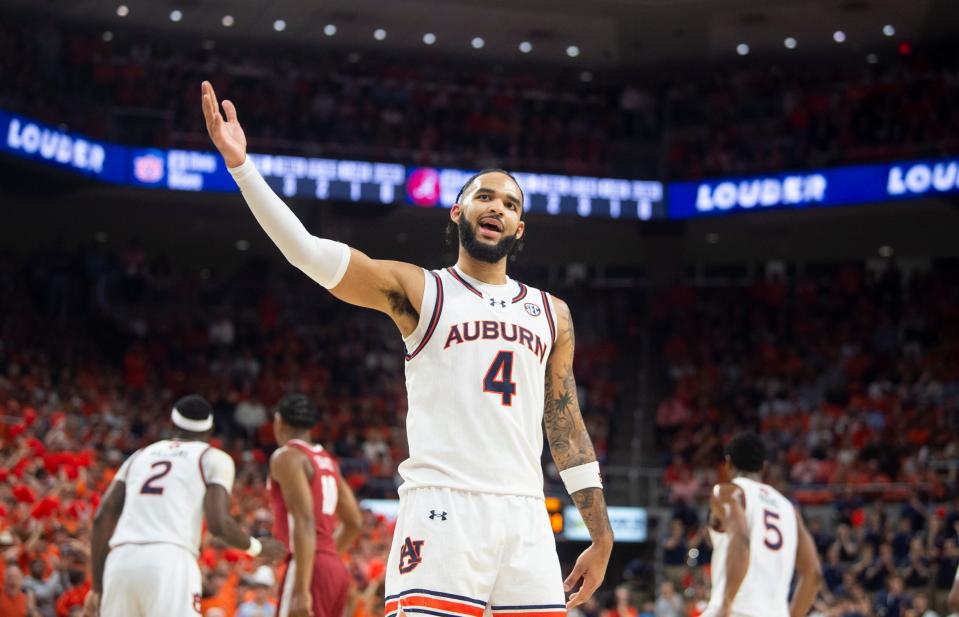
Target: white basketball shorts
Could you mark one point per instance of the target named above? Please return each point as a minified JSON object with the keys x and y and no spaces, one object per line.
{"x":150,"y":580}
{"x":462,"y":554}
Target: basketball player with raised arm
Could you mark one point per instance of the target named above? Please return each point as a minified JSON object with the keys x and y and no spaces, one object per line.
{"x":758,"y":540}
{"x":147,"y":531}
{"x":308,"y":495}
{"x":489,"y":359}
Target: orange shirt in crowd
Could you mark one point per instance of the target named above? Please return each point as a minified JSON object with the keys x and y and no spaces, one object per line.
{"x":225,"y":599}
{"x":13,"y":606}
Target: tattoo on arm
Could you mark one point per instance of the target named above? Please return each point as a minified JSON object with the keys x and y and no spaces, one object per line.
{"x":568,"y":440}
{"x":592,"y":507}
{"x":566,"y":432}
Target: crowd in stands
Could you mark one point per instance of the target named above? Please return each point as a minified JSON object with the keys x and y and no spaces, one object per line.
{"x":455,"y":112}
{"x":852,"y":378}
{"x":96,"y":345}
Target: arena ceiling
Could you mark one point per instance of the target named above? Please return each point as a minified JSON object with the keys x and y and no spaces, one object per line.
{"x":618,"y":33}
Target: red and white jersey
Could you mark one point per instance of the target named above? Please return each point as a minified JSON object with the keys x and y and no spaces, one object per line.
{"x":325,"y":488}
{"x":773,"y":541}
{"x":165,"y":486}
{"x":475,"y":372}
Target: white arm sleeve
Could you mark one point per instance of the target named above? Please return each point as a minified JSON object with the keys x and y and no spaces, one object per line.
{"x":324,"y":261}
{"x":218,"y":468}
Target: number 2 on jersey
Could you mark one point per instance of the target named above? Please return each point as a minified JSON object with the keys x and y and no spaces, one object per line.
{"x":499,"y":378}
{"x":149,"y":488}
{"x":770,"y":519}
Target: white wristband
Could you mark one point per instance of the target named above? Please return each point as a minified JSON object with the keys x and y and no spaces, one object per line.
{"x":582,"y":476}
{"x":256,"y":547}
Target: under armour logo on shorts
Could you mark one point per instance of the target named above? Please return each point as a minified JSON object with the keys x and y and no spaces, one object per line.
{"x":493,"y":301}
{"x":440,"y":515}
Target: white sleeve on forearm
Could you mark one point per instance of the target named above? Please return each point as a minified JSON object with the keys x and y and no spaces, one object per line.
{"x":324,"y":261}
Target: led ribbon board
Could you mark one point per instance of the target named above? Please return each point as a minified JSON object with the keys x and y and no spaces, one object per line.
{"x":839,"y":186}
{"x":317,"y":178}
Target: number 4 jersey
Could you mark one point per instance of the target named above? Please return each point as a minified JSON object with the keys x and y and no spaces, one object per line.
{"x":475,"y":369}
{"x":773,"y":540}
{"x":165,"y":486}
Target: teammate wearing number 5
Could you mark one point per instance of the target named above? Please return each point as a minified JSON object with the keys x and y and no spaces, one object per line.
{"x":759,"y":540}
{"x":147,"y":531}
{"x":308,"y":495}
{"x":488,"y":361}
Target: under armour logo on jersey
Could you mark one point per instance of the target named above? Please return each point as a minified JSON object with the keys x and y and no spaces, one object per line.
{"x":493,"y":301}
{"x":440,"y":515}
{"x":411,"y":555}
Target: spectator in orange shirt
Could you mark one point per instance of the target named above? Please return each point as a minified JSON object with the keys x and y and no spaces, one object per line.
{"x":13,"y":601}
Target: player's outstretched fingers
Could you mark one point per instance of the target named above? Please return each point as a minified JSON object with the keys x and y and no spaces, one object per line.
{"x":578,"y":571}
{"x":230,"y":111}
{"x":585,"y":592}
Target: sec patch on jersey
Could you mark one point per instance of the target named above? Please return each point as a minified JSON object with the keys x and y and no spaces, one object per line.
{"x":532,"y":309}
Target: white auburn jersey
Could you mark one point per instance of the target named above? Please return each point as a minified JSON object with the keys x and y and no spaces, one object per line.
{"x":475,"y":372}
{"x":773,"y":541}
{"x":165,"y":486}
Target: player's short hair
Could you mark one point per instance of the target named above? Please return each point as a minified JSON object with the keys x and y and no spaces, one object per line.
{"x":297,"y":411}
{"x":747,"y":451}
{"x":194,"y":407}
{"x":491,"y":170}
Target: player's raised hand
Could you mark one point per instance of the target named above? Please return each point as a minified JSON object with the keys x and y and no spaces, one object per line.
{"x":591,"y":569}
{"x":227,"y":134}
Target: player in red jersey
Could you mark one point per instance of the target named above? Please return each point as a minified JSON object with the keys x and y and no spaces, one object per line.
{"x":308,"y":496}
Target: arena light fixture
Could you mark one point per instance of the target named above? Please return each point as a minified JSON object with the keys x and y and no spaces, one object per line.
{"x":839,"y":36}
{"x":107,"y":36}
{"x":227,"y":21}
{"x":889,"y":30}
{"x":586,"y":77}
{"x":790,"y":43}
{"x":279,"y":25}
{"x":208,"y":44}
{"x":329,"y":29}
{"x":526,"y":47}
{"x":176,"y":15}
{"x":872,"y":58}
{"x":242,"y":245}
{"x":123,"y":10}
{"x":429,"y":38}
{"x":742,"y":49}
{"x":477,"y":42}
{"x":379,"y":34}
{"x":886,"y":251}
{"x":572,"y":51}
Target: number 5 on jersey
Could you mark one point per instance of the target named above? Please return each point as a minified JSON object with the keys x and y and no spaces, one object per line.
{"x":499,"y":378}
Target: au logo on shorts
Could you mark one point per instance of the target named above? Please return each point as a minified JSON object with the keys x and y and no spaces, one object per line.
{"x":410,"y":555}
{"x":197,"y":604}
{"x":532,"y":309}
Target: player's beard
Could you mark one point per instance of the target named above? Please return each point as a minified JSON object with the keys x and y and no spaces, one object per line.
{"x":480,"y":251}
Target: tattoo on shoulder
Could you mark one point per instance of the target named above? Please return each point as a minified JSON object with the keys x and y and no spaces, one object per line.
{"x":400,"y":303}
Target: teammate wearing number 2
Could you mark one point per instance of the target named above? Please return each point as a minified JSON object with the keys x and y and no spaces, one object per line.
{"x":308,"y":496}
{"x":488,"y":360}
{"x":147,"y":531}
{"x":759,"y":540}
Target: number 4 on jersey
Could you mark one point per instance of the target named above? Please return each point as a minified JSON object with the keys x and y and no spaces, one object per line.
{"x":499,"y":377}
